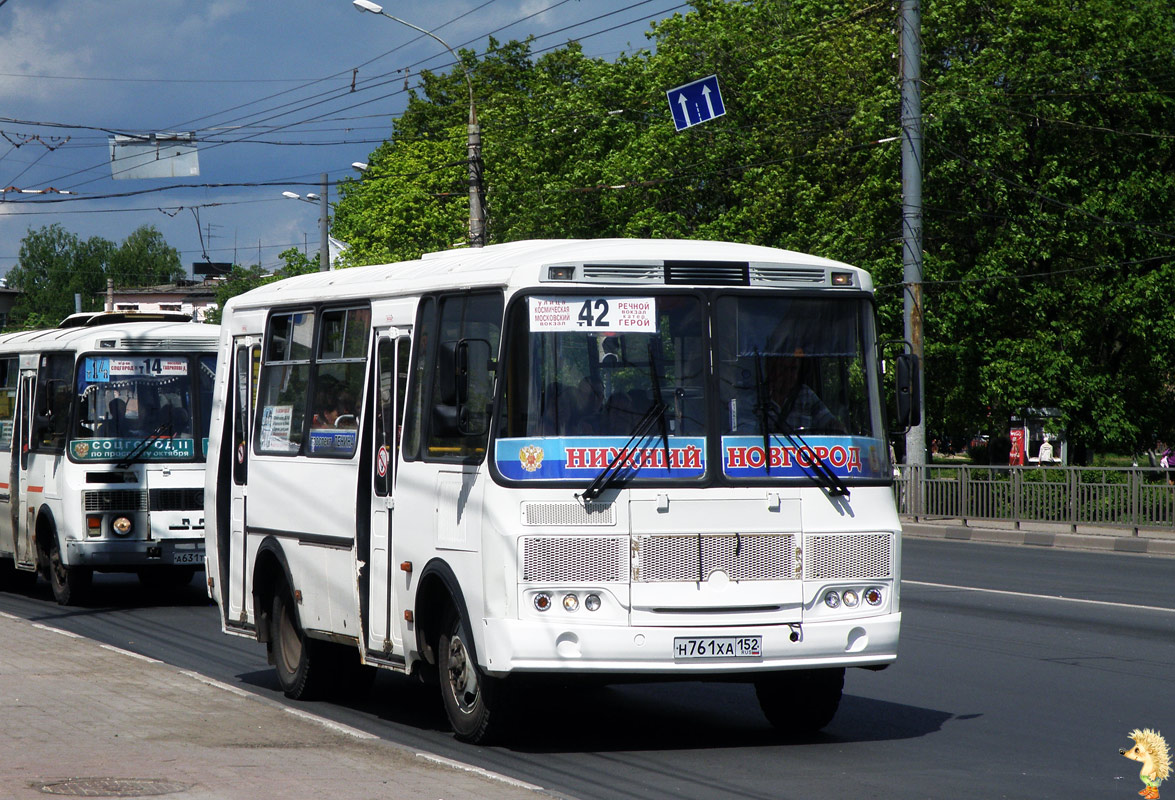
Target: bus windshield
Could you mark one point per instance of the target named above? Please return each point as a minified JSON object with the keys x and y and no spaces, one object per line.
{"x":627,"y":382}
{"x":151,"y":407}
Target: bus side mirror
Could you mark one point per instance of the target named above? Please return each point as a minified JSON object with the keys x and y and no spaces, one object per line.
{"x":909,"y":391}
{"x":475,"y":383}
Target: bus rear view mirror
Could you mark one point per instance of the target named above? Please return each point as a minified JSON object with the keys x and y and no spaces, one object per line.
{"x":909,"y":405}
{"x":474,"y":378}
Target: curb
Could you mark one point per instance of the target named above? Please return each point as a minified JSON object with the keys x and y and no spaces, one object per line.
{"x":1109,"y":542}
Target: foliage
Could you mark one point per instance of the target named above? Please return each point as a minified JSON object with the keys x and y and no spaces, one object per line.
{"x":54,"y":265}
{"x":242,"y":279}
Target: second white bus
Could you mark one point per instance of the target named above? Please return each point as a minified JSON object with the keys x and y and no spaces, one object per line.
{"x":103,"y":433}
{"x":559,"y":458}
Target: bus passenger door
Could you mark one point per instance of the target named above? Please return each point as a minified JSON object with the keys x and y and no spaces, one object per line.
{"x":23,"y":514}
{"x":391,"y":374}
{"x":234,"y":566}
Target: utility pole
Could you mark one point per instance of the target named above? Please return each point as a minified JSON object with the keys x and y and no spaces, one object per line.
{"x":323,"y":231}
{"x":911,"y":43}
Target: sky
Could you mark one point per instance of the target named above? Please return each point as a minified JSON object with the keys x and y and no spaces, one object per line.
{"x":265,"y":86}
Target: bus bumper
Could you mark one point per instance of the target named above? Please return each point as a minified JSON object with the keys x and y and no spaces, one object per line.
{"x":113,"y":554}
{"x":529,"y":646}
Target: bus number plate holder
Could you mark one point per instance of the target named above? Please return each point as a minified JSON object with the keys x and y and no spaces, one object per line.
{"x":692,"y":647}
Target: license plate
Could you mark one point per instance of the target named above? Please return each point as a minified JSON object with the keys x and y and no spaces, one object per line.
{"x":187,"y":557}
{"x":718,"y":647}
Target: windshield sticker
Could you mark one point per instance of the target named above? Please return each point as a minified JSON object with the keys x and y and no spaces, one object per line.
{"x":846,"y":456}
{"x":101,"y":370}
{"x":111,"y":448}
{"x":593,"y":314}
{"x":583,"y":457}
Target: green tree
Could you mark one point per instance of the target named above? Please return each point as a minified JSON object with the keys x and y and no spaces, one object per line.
{"x":53,"y":266}
{"x":242,"y":279}
{"x":145,"y":259}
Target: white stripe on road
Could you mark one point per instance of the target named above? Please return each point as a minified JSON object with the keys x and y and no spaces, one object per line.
{"x":1039,"y":596}
{"x":485,"y":773}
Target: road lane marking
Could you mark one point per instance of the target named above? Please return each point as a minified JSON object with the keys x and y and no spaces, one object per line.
{"x":485,"y":773}
{"x":1040,"y":596}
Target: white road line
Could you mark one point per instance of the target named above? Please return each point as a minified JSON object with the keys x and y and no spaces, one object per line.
{"x":58,"y":631}
{"x":130,"y":653}
{"x":1040,"y":596}
{"x":485,"y":773}
{"x":331,"y":724}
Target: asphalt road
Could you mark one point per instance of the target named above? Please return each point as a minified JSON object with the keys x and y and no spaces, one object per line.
{"x":1021,"y":671}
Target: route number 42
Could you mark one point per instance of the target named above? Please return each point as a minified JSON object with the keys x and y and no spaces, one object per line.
{"x":594,"y":313}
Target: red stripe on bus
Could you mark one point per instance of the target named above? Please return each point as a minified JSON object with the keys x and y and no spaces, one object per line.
{"x":36,"y":488}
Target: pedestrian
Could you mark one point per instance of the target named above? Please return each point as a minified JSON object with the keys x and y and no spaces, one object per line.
{"x":1045,"y":455}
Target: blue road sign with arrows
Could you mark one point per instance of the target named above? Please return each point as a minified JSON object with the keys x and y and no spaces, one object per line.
{"x":695,"y":102}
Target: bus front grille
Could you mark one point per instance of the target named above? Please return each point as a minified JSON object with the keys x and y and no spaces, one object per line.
{"x":568,"y":514}
{"x":848,"y":556}
{"x":177,"y":499}
{"x":115,"y":500}
{"x":575,"y":559}
{"x":694,"y":557}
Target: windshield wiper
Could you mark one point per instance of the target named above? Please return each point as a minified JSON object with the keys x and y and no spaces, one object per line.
{"x":821,"y":472}
{"x":611,"y":472}
{"x":142,"y":446}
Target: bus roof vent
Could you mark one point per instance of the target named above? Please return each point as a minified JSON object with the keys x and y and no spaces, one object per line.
{"x":708,"y":273}
{"x":623,"y":273}
{"x":787,"y":273}
{"x":166,"y":343}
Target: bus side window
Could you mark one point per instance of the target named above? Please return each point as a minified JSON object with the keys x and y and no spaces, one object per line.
{"x":8,"y":376}
{"x":421,"y":356}
{"x":463,"y":317}
{"x":54,"y":396}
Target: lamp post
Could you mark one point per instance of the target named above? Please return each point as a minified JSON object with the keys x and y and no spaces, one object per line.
{"x":476,"y":212}
{"x":323,"y":222}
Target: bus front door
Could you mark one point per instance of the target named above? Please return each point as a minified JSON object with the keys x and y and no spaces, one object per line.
{"x":24,"y":511}
{"x":234,"y":569}
{"x":383,"y":634}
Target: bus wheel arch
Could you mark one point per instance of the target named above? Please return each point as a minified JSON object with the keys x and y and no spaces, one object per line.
{"x":271,"y":571}
{"x":70,"y":584}
{"x":438,"y":594}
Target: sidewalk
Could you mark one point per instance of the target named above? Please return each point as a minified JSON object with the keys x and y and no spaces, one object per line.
{"x":82,"y":719}
{"x":1118,"y":540}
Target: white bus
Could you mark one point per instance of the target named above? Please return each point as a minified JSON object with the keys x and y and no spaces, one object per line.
{"x":558,"y":457}
{"x":104,"y":429}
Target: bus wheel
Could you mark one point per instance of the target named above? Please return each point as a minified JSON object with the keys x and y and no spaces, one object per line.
{"x":294,"y":655}
{"x":70,"y":584}
{"x":801,"y":702}
{"x":473,"y":701}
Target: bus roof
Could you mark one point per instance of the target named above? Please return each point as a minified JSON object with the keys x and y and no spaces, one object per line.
{"x":116,"y":336}
{"x":634,"y":262}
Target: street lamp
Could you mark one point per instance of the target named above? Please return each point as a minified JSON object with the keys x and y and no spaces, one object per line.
{"x":323,"y":222}
{"x":476,"y":212}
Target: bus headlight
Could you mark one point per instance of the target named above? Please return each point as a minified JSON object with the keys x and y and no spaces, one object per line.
{"x":850,"y":597}
{"x":542,"y":601}
{"x":592,"y":602}
{"x":832,"y":600}
{"x":873,"y":596}
{"x":122,"y":526}
{"x":570,"y":602}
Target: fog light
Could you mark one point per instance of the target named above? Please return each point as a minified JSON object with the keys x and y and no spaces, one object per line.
{"x":873,"y":596}
{"x":592,"y":602}
{"x":542,"y":601}
{"x":570,"y":602}
{"x":850,"y":597}
{"x":832,"y":600}
{"x":122,"y":525}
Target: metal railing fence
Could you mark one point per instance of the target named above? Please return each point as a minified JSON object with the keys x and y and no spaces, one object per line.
{"x":1121,"y":497}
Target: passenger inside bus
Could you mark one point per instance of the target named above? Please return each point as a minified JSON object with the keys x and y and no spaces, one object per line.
{"x":115,"y":422}
{"x":791,"y":403}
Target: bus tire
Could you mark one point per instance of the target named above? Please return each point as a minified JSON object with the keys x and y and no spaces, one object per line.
{"x":801,"y":702}
{"x":70,"y":585}
{"x":296,"y":657}
{"x":474,"y":702}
